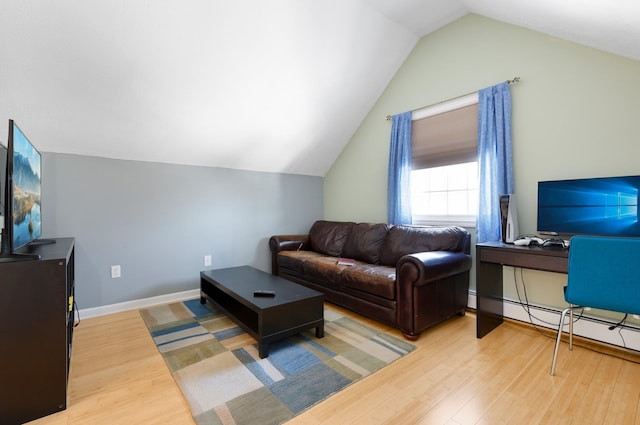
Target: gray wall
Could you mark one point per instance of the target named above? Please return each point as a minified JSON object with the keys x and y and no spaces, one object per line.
{"x":157,"y":221}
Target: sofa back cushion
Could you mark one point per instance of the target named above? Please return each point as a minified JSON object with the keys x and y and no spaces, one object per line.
{"x":403,"y":240}
{"x":329,"y":237}
{"x":365,"y":241}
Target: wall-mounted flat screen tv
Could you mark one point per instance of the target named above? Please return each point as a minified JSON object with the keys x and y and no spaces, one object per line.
{"x":592,"y":206}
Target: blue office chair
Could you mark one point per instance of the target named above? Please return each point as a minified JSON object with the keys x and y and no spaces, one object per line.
{"x":603,"y":274}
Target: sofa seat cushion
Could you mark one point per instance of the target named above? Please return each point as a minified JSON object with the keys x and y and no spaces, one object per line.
{"x":324,"y":271}
{"x":376,"y":280}
{"x":293,"y":261}
{"x":364,"y":242}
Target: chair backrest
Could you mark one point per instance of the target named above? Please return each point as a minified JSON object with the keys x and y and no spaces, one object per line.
{"x":604,"y":273}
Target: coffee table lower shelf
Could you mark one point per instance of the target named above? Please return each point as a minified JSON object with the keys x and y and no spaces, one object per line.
{"x":267,"y":320}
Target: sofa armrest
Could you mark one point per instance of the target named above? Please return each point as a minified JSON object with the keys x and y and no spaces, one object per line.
{"x":424,"y":267}
{"x":279,"y":243}
{"x":417,"y":275}
{"x":288,"y":243}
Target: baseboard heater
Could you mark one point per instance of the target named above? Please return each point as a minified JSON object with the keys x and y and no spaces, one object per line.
{"x":595,"y":328}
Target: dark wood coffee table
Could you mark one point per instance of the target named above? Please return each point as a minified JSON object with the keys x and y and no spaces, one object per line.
{"x":293,"y":309}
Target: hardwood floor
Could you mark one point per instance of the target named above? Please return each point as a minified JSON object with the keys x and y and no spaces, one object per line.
{"x":118,"y":377}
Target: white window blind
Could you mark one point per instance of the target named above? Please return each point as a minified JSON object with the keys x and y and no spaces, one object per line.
{"x":446,"y":138}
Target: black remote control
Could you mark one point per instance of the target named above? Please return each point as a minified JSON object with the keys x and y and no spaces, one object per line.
{"x":263,"y":293}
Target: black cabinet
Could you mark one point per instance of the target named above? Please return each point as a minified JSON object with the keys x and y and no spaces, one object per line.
{"x":36,"y":330}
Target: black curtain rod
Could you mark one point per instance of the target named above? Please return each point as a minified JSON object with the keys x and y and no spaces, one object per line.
{"x":514,"y":80}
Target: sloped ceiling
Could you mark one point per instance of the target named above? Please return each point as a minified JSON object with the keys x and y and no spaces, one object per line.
{"x":276,"y":86}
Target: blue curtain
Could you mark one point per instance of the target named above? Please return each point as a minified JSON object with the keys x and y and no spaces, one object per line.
{"x":398,"y":191}
{"x":494,"y":158}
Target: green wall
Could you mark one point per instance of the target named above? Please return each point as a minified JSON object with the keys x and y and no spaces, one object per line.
{"x":576,"y":114}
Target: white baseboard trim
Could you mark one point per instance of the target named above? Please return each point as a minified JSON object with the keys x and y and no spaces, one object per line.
{"x":588,"y":327}
{"x":87,"y":313}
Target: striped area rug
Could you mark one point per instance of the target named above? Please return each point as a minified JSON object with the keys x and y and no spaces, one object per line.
{"x":217,"y":367}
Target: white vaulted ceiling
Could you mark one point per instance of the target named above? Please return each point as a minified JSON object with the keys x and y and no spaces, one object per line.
{"x":276,"y":86}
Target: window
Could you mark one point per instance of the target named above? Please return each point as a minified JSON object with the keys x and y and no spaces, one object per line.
{"x":444,"y":176}
{"x":445,"y":195}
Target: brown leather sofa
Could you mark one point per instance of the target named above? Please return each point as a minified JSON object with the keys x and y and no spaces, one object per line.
{"x":409,"y":277}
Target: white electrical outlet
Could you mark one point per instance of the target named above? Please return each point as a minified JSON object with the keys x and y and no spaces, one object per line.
{"x":207,"y":261}
{"x":115,"y":272}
